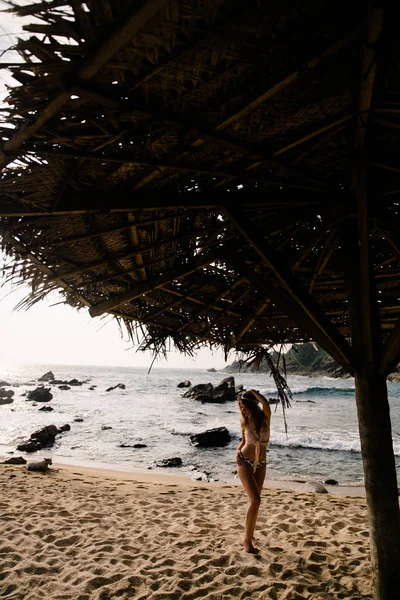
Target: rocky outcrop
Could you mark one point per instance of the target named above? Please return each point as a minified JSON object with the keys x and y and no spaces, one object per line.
{"x":206,"y":392}
{"x":15,"y":460}
{"x":105,"y":427}
{"x":6,"y":396}
{"x":43,"y":438}
{"x":212,"y":370}
{"x":64,"y":387}
{"x":73,"y":382}
{"x":120,"y":386}
{"x":40,"y":394}
{"x":212,"y":437}
{"x":184,"y":384}
{"x":46,"y":409}
{"x":301,"y":359}
{"x":132,"y":446}
{"x":168,"y":462}
{"x":49,"y":376}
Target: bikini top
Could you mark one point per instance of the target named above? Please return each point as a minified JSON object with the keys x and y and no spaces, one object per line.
{"x":257,"y":440}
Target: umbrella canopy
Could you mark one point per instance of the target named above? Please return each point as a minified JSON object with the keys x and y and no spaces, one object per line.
{"x":190,"y":166}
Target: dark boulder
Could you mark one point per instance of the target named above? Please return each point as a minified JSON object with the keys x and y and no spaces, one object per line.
{"x":40,"y":394}
{"x":78,"y":420}
{"x":74,"y":382}
{"x":6,"y":393}
{"x":105,"y":427}
{"x":331,"y":482}
{"x":184,"y":384}
{"x":6,"y":401}
{"x":225,"y":391}
{"x":66,"y":427}
{"x":15,"y":460}
{"x":92,"y":387}
{"x":206,"y":392}
{"x":212,"y":370}
{"x":169,"y":462}
{"x":120,"y":386}
{"x":49,"y":376}
{"x":29,"y":446}
{"x":46,"y":409}
{"x":132,"y":446}
{"x":64,"y":387}
{"x":4,"y":384}
{"x":203,"y":392}
{"x":42,"y":438}
{"x":212,"y":437}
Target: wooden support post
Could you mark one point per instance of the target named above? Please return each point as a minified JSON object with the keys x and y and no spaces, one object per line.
{"x":380,"y":483}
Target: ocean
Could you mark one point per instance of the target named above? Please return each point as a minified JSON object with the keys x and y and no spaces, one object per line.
{"x":322,"y":438}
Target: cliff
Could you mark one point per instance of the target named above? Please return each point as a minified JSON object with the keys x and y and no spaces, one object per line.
{"x":303,"y":359}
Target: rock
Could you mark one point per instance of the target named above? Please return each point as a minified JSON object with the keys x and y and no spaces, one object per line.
{"x":29,"y":446}
{"x":184,"y":384}
{"x":212,"y":370}
{"x":132,"y":446}
{"x":78,"y":420}
{"x":46,"y":408}
{"x":92,"y":387}
{"x":44,"y":437}
{"x":225,"y":391}
{"x":64,"y":387}
{"x":74,"y":382}
{"x":331,"y":482}
{"x":66,"y":427}
{"x":49,"y":376}
{"x":4,"y":384}
{"x":203,"y":392}
{"x":6,"y":401}
{"x":169,"y":462}
{"x":105,"y":427}
{"x":239,"y":388}
{"x":15,"y":460}
{"x":121,"y":386}
{"x":313,"y":486}
{"x":40,"y":394}
{"x":6,"y":393}
{"x":212,"y":437}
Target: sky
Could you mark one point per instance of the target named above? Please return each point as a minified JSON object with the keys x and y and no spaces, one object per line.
{"x":50,"y":333}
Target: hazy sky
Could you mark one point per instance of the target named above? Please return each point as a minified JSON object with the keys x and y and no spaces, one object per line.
{"x":60,"y":334}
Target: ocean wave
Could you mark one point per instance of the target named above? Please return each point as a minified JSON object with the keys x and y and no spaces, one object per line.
{"x":325,"y":391}
{"x":323,"y":443}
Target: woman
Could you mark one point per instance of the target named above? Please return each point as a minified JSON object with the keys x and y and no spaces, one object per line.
{"x":251,"y":456}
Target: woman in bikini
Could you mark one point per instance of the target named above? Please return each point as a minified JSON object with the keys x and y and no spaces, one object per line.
{"x":251,"y":456}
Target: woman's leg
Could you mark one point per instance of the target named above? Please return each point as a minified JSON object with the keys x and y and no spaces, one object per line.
{"x":259,"y":477}
{"x":248,"y":479}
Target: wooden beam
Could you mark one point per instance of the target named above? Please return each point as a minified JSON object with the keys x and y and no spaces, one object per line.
{"x":132,"y":159}
{"x":130,"y":25}
{"x":288,"y":80}
{"x":370,"y":346}
{"x":302,"y":305}
{"x":154,"y":283}
{"x":318,"y":131}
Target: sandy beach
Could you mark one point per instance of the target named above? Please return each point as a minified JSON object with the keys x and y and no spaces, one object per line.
{"x":77,"y":533}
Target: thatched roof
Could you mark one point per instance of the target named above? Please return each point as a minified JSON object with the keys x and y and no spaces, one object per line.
{"x":192,"y":166}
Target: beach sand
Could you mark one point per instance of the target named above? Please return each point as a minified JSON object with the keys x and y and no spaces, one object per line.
{"x":81,"y":534}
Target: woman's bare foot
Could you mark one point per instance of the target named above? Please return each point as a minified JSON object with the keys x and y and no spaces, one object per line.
{"x":248,"y":546}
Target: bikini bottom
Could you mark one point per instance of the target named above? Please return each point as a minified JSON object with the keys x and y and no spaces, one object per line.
{"x":250,"y":462}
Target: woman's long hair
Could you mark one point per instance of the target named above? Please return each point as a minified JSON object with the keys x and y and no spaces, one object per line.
{"x":256,"y":419}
